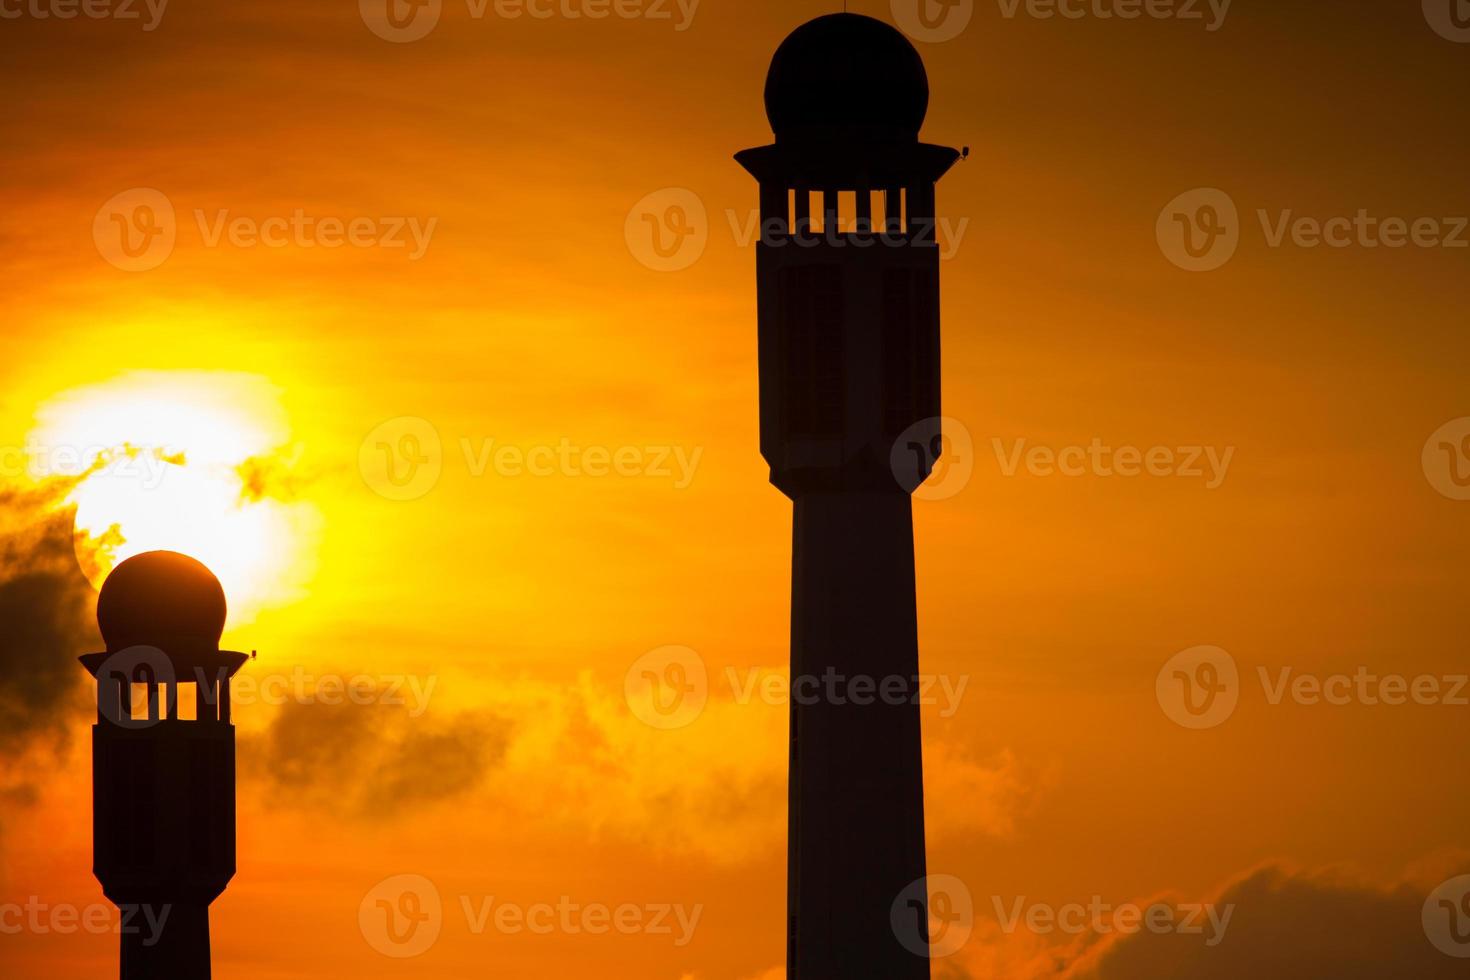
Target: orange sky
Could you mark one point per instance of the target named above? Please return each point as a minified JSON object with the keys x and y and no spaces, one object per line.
{"x":525,"y":151}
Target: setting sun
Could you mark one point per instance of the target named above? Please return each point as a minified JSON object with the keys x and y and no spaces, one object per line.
{"x":181,"y":461}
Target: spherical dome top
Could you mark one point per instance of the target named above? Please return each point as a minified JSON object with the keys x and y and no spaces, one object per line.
{"x":159,"y":598}
{"x":847,"y":72}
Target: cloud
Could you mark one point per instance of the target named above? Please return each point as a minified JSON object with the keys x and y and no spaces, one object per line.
{"x":572,"y":758}
{"x":373,"y":761}
{"x":46,"y":619}
{"x":1284,"y":924}
{"x":1290,"y":925}
{"x":715,"y":788}
{"x":46,"y":622}
{"x":976,"y":798}
{"x":575,"y":759}
{"x":278,"y":475}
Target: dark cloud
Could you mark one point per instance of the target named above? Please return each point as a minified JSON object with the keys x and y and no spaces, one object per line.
{"x":1288,"y":926}
{"x":1284,"y":925}
{"x":372,"y":761}
{"x":278,"y":475}
{"x":47,"y":620}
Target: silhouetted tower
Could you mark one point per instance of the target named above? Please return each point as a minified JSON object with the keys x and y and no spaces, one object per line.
{"x":163,"y":776}
{"x":848,"y":294}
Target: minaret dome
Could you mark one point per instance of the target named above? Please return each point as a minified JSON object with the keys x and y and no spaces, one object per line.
{"x":846,"y":74}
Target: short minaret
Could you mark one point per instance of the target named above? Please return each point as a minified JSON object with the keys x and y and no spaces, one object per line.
{"x":163,"y":776}
{"x":848,"y":294}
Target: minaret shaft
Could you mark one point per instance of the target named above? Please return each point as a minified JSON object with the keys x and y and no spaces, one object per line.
{"x":856,"y":822}
{"x":167,"y":941}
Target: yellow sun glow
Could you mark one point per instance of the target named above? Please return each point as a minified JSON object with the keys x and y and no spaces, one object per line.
{"x":183,"y":461}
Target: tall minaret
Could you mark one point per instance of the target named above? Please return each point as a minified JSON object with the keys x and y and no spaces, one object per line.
{"x":163,"y":777}
{"x":848,"y":294}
